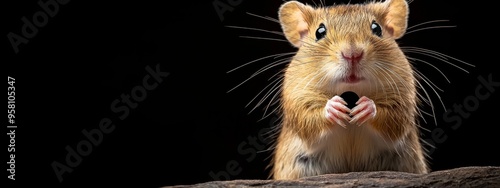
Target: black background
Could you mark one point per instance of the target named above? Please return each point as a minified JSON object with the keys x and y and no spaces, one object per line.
{"x":91,"y":52}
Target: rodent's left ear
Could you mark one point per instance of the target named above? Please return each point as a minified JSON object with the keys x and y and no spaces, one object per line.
{"x":295,"y":18}
{"x":395,"y":13}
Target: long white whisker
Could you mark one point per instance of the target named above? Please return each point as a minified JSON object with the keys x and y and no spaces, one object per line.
{"x":276,"y":94}
{"x":435,"y":54}
{"x":388,"y":72}
{"x":424,"y":99}
{"x":400,"y":78}
{"x":419,"y":111}
{"x":269,"y":66}
{"x":416,"y":59}
{"x":258,"y":94}
{"x":265,"y":17}
{"x":430,"y":101}
{"x":256,"y":29}
{"x":264,"y":38}
{"x":437,"y":94}
{"x":370,"y":71}
{"x":425,"y":28}
{"x":430,"y":81}
{"x":275,"y":86}
{"x":262,"y":58}
{"x":413,"y":28}
{"x":423,"y":23}
{"x":425,"y":113}
{"x":380,"y":82}
{"x":276,"y":74}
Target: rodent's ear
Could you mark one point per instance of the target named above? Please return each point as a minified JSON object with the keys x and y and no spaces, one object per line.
{"x":395,"y":15}
{"x":295,"y":18}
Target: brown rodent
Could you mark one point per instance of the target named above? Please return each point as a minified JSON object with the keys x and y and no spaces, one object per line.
{"x":348,"y":47}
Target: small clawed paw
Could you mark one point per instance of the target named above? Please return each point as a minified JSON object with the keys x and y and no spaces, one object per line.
{"x":337,"y":112}
{"x":364,"y":110}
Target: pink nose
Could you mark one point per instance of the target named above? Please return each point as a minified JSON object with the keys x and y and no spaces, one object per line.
{"x":353,"y":56}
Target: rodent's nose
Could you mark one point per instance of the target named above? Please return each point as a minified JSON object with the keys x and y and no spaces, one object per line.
{"x":353,"y":56}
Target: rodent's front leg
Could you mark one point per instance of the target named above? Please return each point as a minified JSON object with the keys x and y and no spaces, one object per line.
{"x":364,"y":110}
{"x":337,"y":112}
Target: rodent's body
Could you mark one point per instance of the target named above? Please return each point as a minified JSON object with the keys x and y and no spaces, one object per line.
{"x":347,"y":48}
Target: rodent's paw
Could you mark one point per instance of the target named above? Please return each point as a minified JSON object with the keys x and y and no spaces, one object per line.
{"x":337,"y":112}
{"x":365,"y":110}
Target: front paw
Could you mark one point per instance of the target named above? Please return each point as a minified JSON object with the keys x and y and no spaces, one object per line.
{"x":365,"y":110}
{"x":337,"y":112}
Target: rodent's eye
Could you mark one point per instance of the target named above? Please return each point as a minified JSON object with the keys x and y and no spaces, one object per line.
{"x":376,"y":29}
{"x":320,"y":32}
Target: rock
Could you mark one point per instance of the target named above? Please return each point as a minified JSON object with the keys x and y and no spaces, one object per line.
{"x":485,"y":176}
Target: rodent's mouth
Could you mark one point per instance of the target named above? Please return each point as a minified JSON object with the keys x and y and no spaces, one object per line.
{"x":352,"y":79}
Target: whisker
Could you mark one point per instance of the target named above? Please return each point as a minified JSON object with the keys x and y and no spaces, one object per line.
{"x":264,"y":38}
{"x":269,"y":66}
{"x":431,"y":27}
{"x":400,"y":78}
{"x":441,"y":72}
{"x":373,"y":75}
{"x":422,"y":52}
{"x":371,"y":71}
{"x":265,"y":17}
{"x":388,"y":73}
{"x":277,"y":84}
{"x":410,"y":28}
{"x":298,"y":58}
{"x":426,"y":100}
{"x":435,"y":54}
{"x":419,"y":111}
{"x":437,"y":94}
{"x":427,"y":22}
{"x":421,"y":75}
{"x":262,"y":58}
{"x":276,"y":91}
{"x":275,"y":63}
{"x":256,"y":29}
{"x":279,"y":73}
{"x":261,"y":91}
{"x":425,"y":113}
{"x":427,"y":153}
{"x":430,"y":101}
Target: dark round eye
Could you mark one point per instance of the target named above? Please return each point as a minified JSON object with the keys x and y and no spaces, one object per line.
{"x":376,"y":29}
{"x":320,"y":32}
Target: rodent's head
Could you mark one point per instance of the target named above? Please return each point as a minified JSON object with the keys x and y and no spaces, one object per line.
{"x":347,"y":47}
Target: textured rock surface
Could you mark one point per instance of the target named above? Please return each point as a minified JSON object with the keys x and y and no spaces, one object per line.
{"x":487,"y":176}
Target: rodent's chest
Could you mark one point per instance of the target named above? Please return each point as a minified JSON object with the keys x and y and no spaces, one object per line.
{"x":354,"y":140}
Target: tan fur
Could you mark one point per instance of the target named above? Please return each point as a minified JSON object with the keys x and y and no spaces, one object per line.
{"x":389,"y":140}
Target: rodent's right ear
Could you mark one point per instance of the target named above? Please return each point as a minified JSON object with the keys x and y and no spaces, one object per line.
{"x":295,"y":18}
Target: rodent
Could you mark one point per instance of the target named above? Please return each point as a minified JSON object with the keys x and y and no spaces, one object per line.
{"x":340,"y":48}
